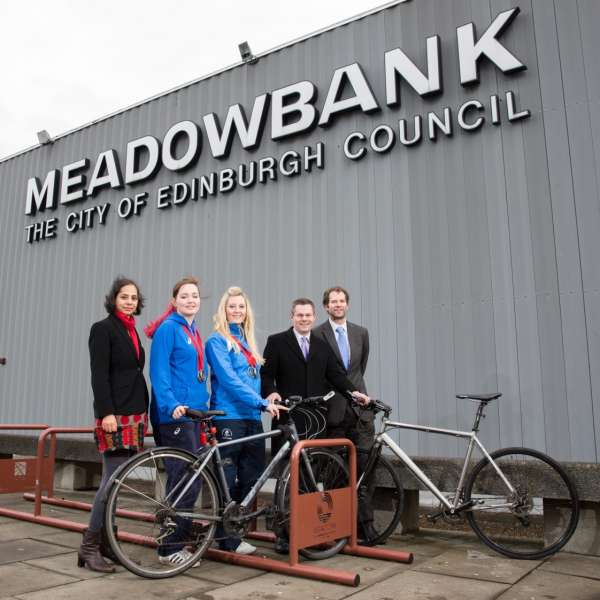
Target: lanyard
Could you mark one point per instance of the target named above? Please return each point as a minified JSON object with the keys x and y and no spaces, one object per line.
{"x":196,"y":340}
{"x":251,"y":360}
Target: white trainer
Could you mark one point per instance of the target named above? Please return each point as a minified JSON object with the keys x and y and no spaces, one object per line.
{"x":245,"y":548}
{"x":178,"y":558}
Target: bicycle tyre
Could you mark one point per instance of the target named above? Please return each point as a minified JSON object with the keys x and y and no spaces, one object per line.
{"x":517,"y":530}
{"x":387,"y":507}
{"x":330,"y":472}
{"x":138,"y":503}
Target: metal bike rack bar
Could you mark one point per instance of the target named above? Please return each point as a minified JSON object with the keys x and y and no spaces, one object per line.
{"x":293,"y":567}
{"x":20,"y":474}
{"x":352,"y":547}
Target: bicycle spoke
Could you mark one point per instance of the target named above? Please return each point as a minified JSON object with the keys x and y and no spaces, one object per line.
{"x":139,"y":504}
{"x":516,"y":524}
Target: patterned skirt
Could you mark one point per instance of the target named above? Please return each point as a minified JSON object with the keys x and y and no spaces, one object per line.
{"x":131,"y":430}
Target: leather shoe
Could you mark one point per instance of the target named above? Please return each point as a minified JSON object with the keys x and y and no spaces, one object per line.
{"x":282,"y":546}
{"x":367,"y":534}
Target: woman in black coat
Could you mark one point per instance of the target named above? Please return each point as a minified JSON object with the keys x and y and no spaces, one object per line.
{"x":120,"y":404}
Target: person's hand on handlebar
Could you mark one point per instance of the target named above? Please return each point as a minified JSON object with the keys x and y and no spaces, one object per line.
{"x":179,"y":411}
{"x":274,"y":409}
{"x":361,"y":398}
{"x":274,"y":397}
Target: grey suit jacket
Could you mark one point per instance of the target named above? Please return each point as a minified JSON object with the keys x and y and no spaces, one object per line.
{"x":358,"y":338}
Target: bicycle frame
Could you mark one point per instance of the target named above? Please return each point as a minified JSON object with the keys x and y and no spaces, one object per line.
{"x":206,"y":456}
{"x":383,"y":438}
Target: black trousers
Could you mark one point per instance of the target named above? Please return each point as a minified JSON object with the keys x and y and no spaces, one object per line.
{"x":185,"y":435}
{"x":361,"y":433}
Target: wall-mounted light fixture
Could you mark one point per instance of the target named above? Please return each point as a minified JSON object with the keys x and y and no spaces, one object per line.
{"x":44,"y":137}
{"x":246,"y":53}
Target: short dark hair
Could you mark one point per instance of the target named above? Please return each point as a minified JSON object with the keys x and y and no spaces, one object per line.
{"x":302,"y":301}
{"x":115,"y":288}
{"x":336,"y":288}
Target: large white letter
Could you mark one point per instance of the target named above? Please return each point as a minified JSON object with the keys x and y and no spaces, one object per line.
{"x":363,"y":96}
{"x":189,"y":130}
{"x":398,"y":64}
{"x":73,"y":181}
{"x":297,"y":98}
{"x":132,"y":171}
{"x":106,"y":161}
{"x":41,"y":199}
{"x":470,"y":52}
{"x":220,"y":141}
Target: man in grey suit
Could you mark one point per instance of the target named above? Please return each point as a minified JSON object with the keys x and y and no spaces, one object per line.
{"x":350,"y":344}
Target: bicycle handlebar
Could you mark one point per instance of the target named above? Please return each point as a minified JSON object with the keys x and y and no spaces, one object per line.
{"x":376,"y":406}
{"x":293,"y":401}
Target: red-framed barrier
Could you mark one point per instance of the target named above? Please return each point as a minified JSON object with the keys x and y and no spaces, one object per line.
{"x":344,"y":517}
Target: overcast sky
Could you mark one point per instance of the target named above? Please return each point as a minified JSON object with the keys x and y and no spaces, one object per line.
{"x":65,"y":63}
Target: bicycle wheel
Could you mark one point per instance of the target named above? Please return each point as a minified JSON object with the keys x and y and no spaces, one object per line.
{"x":330,"y":473}
{"x":380,"y":498}
{"x":513,"y":523}
{"x":157,"y":499}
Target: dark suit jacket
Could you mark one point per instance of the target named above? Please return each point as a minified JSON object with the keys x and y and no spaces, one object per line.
{"x":358,"y":339}
{"x":117,"y":374}
{"x":285,"y":371}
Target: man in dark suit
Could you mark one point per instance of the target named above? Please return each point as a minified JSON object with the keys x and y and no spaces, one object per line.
{"x":350,"y":345}
{"x":298,"y":363}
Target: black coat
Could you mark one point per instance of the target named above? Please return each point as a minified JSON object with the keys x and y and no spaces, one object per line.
{"x":118,"y":381}
{"x":285,"y":371}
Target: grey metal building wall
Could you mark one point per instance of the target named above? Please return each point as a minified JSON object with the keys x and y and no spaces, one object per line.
{"x":473,"y":261}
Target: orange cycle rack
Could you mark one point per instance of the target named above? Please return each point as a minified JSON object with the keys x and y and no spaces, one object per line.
{"x":333,"y":513}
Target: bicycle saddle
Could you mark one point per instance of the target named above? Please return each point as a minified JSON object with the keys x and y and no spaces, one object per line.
{"x":480,"y":397}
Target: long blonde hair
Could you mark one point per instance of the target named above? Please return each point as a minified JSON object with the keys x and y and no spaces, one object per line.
{"x":222,"y":326}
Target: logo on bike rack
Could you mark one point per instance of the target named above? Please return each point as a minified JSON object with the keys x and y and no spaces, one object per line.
{"x":325,"y":507}
{"x":226,"y":434}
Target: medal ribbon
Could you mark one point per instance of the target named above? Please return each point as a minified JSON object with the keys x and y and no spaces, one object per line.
{"x":196,"y":340}
{"x":251,"y":360}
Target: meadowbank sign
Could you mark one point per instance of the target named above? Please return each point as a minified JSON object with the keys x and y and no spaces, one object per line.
{"x":290,"y":111}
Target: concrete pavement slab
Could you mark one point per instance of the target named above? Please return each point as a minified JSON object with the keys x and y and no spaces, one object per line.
{"x":6,"y":520}
{"x":124,"y":585}
{"x":222,"y":573}
{"x":20,"y":550}
{"x":412,"y":585}
{"x":18,"y":530}
{"x":478,"y":564}
{"x":428,"y":544}
{"x":544,"y":585}
{"x":60,"y":537}
{"x":573,"y":564}
{"x":19,"y":578}
{"x":65,"y":564}
{"x":274,"y":586}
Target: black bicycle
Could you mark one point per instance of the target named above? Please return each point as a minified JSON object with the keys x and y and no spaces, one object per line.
{"x":503,"y":497}
{"x":157,"y":510}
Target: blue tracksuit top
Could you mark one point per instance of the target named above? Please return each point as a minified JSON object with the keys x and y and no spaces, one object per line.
{"x":174,"y":371}
{"x":232,"y":388}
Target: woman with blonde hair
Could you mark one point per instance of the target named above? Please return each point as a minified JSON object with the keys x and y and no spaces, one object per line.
{"x":235,"y":365}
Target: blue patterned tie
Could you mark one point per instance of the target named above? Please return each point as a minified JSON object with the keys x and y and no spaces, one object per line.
{"x":304,"y":345}
{"x":342,"y":342}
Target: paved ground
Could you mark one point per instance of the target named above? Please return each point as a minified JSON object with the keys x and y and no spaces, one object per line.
{"x":37,"y":563}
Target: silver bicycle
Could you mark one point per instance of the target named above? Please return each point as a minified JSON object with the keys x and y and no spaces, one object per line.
{"x":503,"y":497}
{"x":165,"y":498}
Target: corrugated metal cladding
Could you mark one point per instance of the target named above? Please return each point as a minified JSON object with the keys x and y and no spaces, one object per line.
{"x":473,"y":261}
